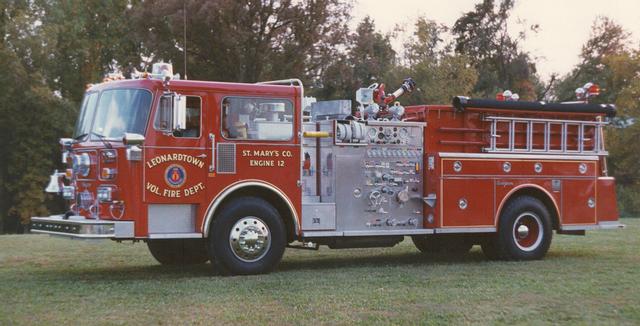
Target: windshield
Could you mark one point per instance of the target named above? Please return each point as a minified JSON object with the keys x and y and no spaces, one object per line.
{"x":117,"y":111}
{"x":87,"y":111}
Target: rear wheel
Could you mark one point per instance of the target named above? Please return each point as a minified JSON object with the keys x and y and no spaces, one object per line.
{"x":247,"y":237}
{"x":178,"y":251}
{"x":524,"y":230}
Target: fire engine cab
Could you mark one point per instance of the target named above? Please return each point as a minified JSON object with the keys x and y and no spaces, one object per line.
{"x":234,"y":173}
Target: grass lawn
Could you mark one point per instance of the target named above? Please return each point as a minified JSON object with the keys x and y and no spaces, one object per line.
{"x":583,"y":280}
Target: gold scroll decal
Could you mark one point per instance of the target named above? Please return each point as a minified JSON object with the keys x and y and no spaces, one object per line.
{"x":174,"y":185}
{"x":262,"y":158}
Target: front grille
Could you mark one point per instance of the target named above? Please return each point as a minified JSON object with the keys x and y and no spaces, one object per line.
{"x":226,"y":160}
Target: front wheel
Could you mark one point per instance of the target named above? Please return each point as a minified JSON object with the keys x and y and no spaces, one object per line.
{"x":524,"y":230}
{"x":247,"y":237}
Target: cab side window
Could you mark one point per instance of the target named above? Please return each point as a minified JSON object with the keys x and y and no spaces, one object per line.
{"x":194,"y":112}
{"x":257,"y":118}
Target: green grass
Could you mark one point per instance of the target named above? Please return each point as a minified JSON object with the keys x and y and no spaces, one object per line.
{"x":583,"y":280}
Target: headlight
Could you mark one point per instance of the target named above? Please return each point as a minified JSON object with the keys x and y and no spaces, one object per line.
{"x":82,"y":164}
{"x":105,"y":194}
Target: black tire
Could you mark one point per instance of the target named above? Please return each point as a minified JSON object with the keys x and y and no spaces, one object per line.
{"x":442,"y":244}
{"x":524,"y":230}
{"x":179,"y":251}
{"x":257,"y":232}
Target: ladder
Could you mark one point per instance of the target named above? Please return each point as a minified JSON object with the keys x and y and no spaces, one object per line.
{"x":559,"y":136}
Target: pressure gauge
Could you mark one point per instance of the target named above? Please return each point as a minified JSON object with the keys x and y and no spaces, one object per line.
{"x":372,"y":133}
{"x":388,"y":132}
{"x":404,"y":133}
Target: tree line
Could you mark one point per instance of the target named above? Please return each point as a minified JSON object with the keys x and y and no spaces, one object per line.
{"x":51,"y":49}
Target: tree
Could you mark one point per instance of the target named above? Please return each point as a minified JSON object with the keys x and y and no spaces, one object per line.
{"x":482,"y":36}
{"x":439,"y":73}
{"x":607,"y":40}
{"x":244,"y":41}
{"x":607,"y":60}
{"x":27,"y":154}
{"x":369,"y":57}
{"x":85,"y":39}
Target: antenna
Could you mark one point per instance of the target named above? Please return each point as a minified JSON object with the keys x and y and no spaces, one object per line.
{"x":184,"y":35}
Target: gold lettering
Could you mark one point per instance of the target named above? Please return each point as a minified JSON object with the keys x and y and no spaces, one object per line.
{"x":153,"y":188}
{"x":171,"y":193}
{"x":261,"y":163}
{"x":175,"y":157}
{"x":193,"y":190}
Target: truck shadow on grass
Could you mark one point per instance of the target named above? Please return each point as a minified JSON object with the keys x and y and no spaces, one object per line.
{"x":292,"y":264}
{"x":384,"y":259}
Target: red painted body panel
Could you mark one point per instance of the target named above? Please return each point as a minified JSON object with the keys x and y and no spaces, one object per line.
{"x":606,"y":206}
{"x":480,"y":204}
{"x":140,"y":183}
{"x":575,"y":209}
{"x":485,"y":184}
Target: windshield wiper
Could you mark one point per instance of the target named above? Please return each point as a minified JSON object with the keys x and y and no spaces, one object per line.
{"x":102,"y":139}
{"x":80,"y":137}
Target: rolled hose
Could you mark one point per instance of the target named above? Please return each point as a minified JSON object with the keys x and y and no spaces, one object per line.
{"x":460,"y":103}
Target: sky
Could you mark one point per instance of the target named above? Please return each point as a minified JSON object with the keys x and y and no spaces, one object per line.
{"x":564,"y":24}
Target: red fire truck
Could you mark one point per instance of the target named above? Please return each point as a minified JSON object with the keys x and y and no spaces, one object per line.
{"x":234,"y":173}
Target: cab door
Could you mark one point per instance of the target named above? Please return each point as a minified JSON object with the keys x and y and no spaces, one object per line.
{"x":255,"y":140}
{"x":175,"y":170}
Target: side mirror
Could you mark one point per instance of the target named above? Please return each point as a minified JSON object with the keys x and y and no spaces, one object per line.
{"x":172,"y":112}
{"x":132,"y":139}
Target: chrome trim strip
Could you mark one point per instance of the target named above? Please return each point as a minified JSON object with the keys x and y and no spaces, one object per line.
{"x":466,"y":230}
{"x":322,"y":234}
{"x":213,"y":206}
{"x":387,"y":232}
{"x":76,"y":236}
{"x":612,"y":225}
{"x":578,"y":227}
{"x":176,"y":236}
{"x":528,"y":156}
{"x":524,"y":176}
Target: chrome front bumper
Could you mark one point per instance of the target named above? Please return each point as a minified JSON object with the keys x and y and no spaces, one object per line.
{"x":81,"y":228}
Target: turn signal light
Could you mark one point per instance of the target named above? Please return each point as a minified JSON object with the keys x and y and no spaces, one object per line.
{"x":593,"y":90}
{"x":107,"y":173}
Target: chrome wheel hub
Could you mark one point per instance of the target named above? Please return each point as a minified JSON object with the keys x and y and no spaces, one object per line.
{"x":523,"y":231}
{"x":528,"y":231}
{"x":250,"y":239}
